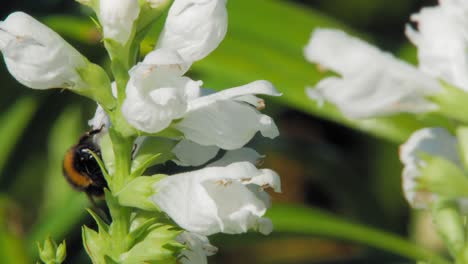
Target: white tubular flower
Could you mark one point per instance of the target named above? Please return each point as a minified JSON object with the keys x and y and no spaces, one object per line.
{"x":194,"y":28}
{"x":238,"y":155}
{"x":433,"y":141}
{"x":443,"y":56}
{"x":371,"y":82}
{"x":227,"y":199}
{"x":117,"y":18}
{"x":37,"y":56}
{"x":198,"y":248}
{"x":229,"y":119}
{"x":189,"y":153}
{"x":157,"y":94}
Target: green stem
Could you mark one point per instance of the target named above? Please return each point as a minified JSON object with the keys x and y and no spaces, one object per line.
{"x":122,"y":147}
{"x":302,"y":220}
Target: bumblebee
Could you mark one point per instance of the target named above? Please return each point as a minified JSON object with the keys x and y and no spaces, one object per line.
{"x":82,"y":170}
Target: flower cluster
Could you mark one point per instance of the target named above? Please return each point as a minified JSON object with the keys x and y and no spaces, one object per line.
{"x":370,"y":83}
{"x":152,"y":113}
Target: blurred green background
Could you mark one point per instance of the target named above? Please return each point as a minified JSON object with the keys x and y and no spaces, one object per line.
{"x":341,"y":178}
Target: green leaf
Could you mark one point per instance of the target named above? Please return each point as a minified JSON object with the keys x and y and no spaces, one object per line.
{"x":12,"y":125}
{"x":303,"y":220}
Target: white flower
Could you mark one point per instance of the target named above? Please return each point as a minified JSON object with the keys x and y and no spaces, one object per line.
{"x":117,"y":18}
{"x":198,"y":248}
{"x":238,"y":155}
{"x":442,"y":41}
{"x":37,"y":56}
{"x":227,"y":199}
{"x":194,"y":28}
{"x":371,"y":82}
{"x":229,"y":119}
{"x":433,"y":141}
{"x":156,"y":94}
{"x":189,"y":153}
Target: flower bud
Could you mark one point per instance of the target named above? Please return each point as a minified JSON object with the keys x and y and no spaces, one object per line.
{"x":51,"y":253}
{"x":117,"y":18}
{"x":37,"y":56}
{"x":194,"y":28}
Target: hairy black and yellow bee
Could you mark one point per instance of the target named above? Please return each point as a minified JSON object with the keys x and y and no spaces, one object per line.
{"x":81,"y":169}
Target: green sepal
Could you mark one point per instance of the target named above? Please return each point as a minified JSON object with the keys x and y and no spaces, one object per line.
{"x":450,"y":101}
{"x":158,"y":246}
{"x":148,"y":16}
{"x":449,"y":223}
{"x":141,"y":231}
{"x":102,"y":226}
{"x":442,"y":177}
{"x":51,"y":253}
{"x":101,"y":165}
{"x":145,"y":157}
{"x":98,"y":86}
{"x":95,"y":244}
{"x":108,"y":157}
{"x":137,"y":193}
{"x":148,"y":162}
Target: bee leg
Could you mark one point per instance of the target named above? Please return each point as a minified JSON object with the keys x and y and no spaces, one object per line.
{"x":98,"y":210}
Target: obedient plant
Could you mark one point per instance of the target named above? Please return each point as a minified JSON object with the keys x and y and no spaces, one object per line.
{"x":150,"y":112}
{"x":370,"y":83}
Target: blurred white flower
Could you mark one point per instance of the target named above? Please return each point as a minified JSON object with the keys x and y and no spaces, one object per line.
{"x":442,"y":41}
{"x":198,"y":248}
{"x":228,"y":199}
{"x":433,"y":141}
{"x":194,"y":28}
{"x":371,"y":82}
{"x":117,"y":18}
{"x":37,"y":56}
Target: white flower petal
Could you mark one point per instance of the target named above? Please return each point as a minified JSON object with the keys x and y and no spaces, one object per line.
{"x":37,"y":56}
{"x":433,"y":141}
{"x":198,"y":248}
{"x":256,"y":87}
{"x":165,"y":61}
{"x":189,"y":153}
{"x":373,"y":83}
{"x":100,"y":119}
{"x":215,"y":199}
{"x":227,"y":124}
{"x":194,"y":28}
{"x":237,"y":155}
{"x":153,"y":101}
{"x":117,"y":18}
{"x":442,"y":41}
